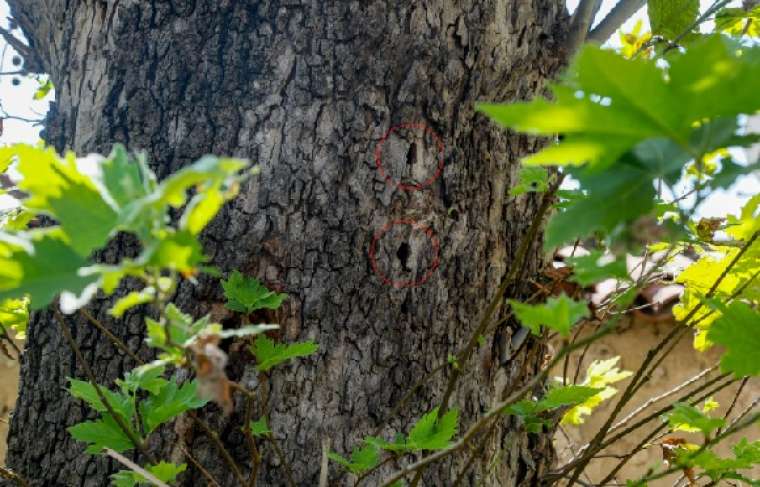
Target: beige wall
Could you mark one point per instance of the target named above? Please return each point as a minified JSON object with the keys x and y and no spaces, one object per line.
{"x":684,"y":362}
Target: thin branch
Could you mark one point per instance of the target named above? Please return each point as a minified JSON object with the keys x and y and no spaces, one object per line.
{"x":616,"y":18}
{"x":497,"y":409}
{"x":662,"y":426}
{"x":200,"y":467}
{"x":662,"y":396}
{"x":283,"y":460}
{"x":137,"y":442}
{"x":11,"y":475}
{"x":116,"y":340}
{"x":135,"y":467}
{"x":20,"y":47}
{"x":581,"y":23}
{"x":496,"y":301}
{"x":214,"y":437}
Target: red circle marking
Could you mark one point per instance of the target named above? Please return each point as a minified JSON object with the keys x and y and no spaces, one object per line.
{"x":388,"y":178}
{"x":430,"y":234}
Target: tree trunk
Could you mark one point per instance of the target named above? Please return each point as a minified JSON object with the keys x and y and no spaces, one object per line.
{"x":311,"y":91}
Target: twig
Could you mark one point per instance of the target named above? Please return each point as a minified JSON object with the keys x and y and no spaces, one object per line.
{"x":662,"y":396}
{"x":713,"y":441}
{"x":11,"y":475}
{"x":497,"y":409}
{"x":496,"y":301}
{"x":214,"y":437}
{"x":581,"y":22}
{"x":200,"y":467}
{"x":116,"y":340}
{"x":616,"y":18}
{"x":255,"y":455}
{"x":93,"y":380}
{"x":636,"y":449}
{"x":733,"y":402}
{"x":283,"y":460}
{"x":135,"y":467}
{"x":642,"y":374}
{"x":325,"y":463}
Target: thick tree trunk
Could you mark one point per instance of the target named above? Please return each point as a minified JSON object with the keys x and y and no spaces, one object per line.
{"x":308,"y":89}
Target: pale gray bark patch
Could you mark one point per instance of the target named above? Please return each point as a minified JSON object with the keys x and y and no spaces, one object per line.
{"x":306,"y":89}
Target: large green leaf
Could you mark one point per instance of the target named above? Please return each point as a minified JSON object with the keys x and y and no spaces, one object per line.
{"x":42,"y":270}
{"x":738,"y":330}
{"x":170,"y":402}
{"x":269,"y":353}
{"x":102,"y":433}
{"x":558,"y":314}
{"x":432,"y":432}
{"x":246,"y":294}
{"x":614,"y":196}
{"x":672,"y":18}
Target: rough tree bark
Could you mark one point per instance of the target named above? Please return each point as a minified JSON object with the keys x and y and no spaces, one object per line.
{"x":307,"y":89}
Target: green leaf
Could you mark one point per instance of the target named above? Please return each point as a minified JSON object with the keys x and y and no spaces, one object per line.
{"x":672,"y":18}
{"x":531,"y":179}
{"x":734,"y":21}
{"x":43,"y":90}
{"x":663,"y":158}
{"x":127,"y":181}
{"x":599,"y":375}
{"x":608,"y":104}
{"x":147,"y":377}
{"x":433,"y":433}
{"x":684,"y":417}
{"x":14,"y":316}
{"x":170,"y":402}
{"x":246,"y":294}
{"x":57,"y":187}
{"x":121,"y":404}
{"x":103,"y":433}
{"x":268,"y":353}
{"x":259,"y":427}
{"x":361,"y":460}
{"x":180,"y":251}
{"x":43,"y":270}
{"x":531,"y":411}
{"x":134,"y":298}
{"x":615,"y":196}
{"x":596,"y":267}
{"x":202,"y":208}
{"x":738,"y":330}
{"x":163,"y":471}
{"x":558,"y":314}
{"x":181,"y":327}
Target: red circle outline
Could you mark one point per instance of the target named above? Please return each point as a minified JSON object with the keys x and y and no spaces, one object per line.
{"x":415,"y":226}
{"x":410,"y":187}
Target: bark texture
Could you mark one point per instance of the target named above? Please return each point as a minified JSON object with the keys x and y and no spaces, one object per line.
{"x":307,"y":89}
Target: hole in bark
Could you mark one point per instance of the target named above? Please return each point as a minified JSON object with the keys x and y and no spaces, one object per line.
{"x":403,"y":253}
{"x":411,"y":156}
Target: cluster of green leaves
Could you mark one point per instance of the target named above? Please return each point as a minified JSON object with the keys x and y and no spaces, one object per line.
{"x":599,"y":375}
{"x":119,"y":195}
{"x":629,"y":126}
{"x":430,"y":432}
{"x":144,"y":400}
{"x":646,"y":134}
{"x":540,"y":413}
{"x":163,"y":471}
{"x":558,"y":314}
